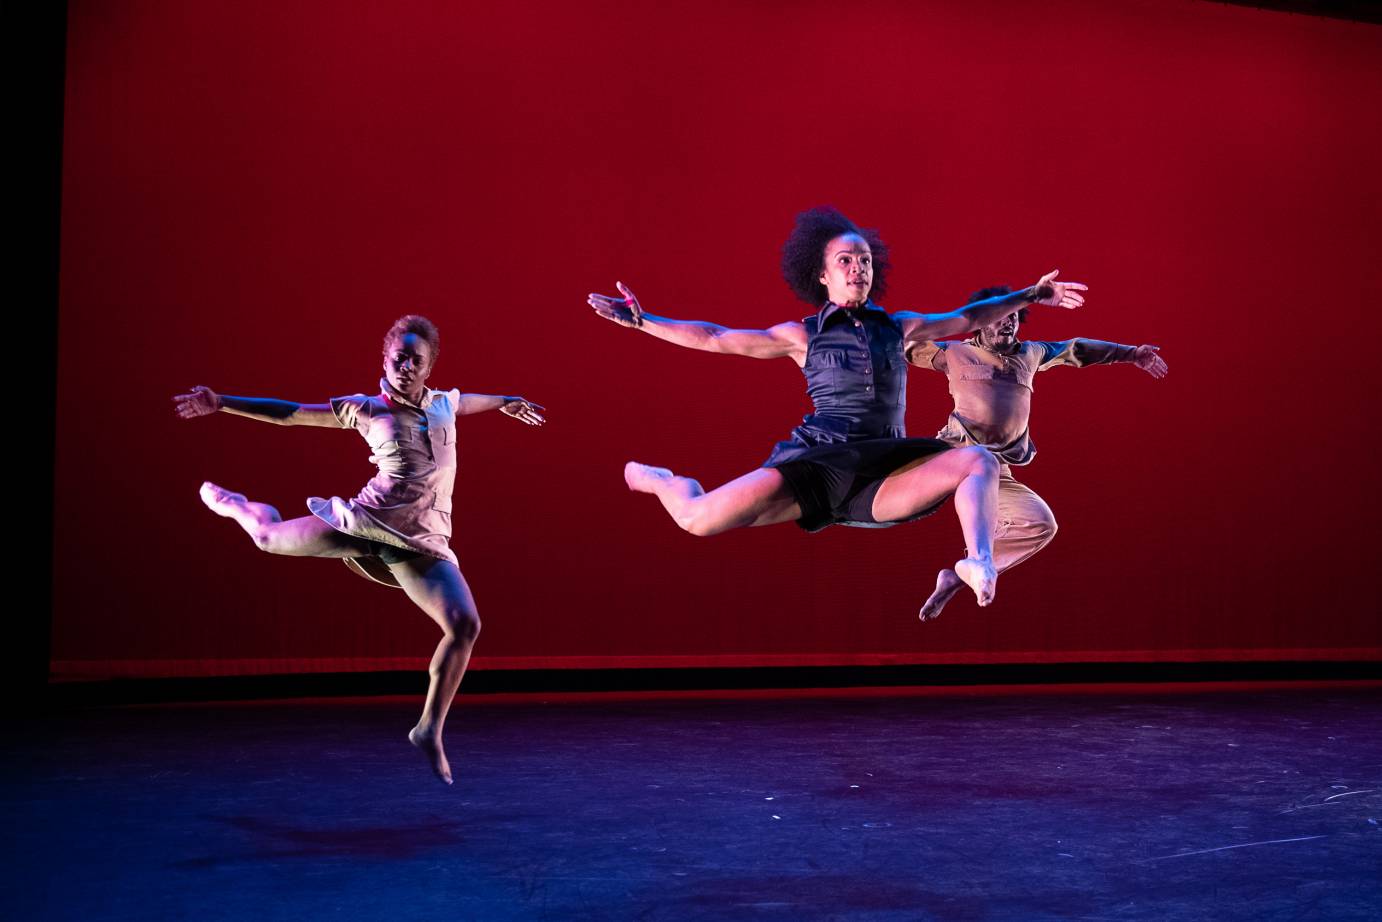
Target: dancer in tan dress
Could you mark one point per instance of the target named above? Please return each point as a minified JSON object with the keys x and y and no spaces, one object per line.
{"x":397,"y":530}
{"x":991,"y":380}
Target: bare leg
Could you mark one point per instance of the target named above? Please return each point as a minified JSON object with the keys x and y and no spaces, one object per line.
{"x":1025,"y":525}
{"x":307,"y":536}
{"x":758,"y":498}
{"x":435,"y":586}
{"x":971,"y":474}
{"x":439,"y":589}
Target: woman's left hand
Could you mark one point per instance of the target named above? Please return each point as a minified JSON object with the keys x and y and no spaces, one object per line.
{"x":524,"y":411}
{"x":1145,"y":357}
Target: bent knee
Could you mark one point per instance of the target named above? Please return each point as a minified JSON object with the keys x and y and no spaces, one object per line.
{"x":462,"y":624}
{"x":700,"y":526}
{"x":699,"y":520}
{"x":979,"y":460}
{"x":1043,"y":528}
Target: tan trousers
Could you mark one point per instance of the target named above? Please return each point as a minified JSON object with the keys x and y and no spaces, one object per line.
{"x":1024,"y":523}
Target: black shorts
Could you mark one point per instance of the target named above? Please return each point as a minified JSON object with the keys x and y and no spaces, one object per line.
{"x":375,"y":567}
{"x":391,"y":553}
{"x":835,"y":484}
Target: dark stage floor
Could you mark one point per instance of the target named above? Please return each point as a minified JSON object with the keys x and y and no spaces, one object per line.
{"x":1023,"y":805}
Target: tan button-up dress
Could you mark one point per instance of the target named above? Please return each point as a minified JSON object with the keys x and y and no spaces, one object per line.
{"x":408,"y":503}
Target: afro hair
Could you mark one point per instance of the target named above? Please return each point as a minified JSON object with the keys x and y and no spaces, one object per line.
{"x":803,"y":255}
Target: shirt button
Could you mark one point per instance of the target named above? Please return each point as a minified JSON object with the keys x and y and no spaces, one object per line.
{"x":868,"y":371}
{"x":868,"y":387}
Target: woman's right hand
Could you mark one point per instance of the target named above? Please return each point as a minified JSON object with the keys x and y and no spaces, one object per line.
{"x":624,"y":311}
{"x":200,"y":401}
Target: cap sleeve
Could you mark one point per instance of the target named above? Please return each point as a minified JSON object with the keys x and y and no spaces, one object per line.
{"x":351,"y":411}
{"x":927,"y":354}
{"x":452,"y":398}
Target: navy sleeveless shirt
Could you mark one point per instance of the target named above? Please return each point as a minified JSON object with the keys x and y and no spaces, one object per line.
{"x":856,"y":377}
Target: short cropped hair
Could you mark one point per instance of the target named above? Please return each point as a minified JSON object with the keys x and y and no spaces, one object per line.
{"x":417,"y":325}
{"x":803,"y":255}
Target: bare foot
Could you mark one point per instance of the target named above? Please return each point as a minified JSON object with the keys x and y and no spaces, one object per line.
{"x":947,"y":584}
{"x":642,"y":478}
{"x":220,"y":500}
{"x":431,"y":748}
{"x":980,"y":576}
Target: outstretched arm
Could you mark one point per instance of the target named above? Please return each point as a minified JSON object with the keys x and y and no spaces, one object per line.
{"x":1082,"y":352}
{"x":203,"y":401}
{"x":1047,"y":290}
{"x":520,"y":409}
{"x":784,"y":340}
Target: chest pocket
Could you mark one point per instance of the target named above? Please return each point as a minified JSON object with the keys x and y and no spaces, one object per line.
{"x":830,"y":371}
{"x":386,"y":433}
{"x":976,"y":372}
{"x":1020,"y":376}
{"x":828,"y":358}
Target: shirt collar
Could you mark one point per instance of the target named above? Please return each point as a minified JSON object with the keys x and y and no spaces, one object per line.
{"x":974,"y":341}
{"x":395,"y":396}
{"x":832,"y":310}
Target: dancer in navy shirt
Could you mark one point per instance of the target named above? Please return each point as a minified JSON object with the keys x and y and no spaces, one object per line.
{"x":849,"y":462}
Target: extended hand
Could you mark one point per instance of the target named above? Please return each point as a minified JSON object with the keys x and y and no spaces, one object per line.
{"x":523,"y":411}
{"x":1050,"y":292}
{"x":202,"y":401}
{"x":1145,"y":357}
{"x":623,"y":311}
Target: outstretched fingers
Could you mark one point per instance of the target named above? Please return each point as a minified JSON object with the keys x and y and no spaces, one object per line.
{"x":200,"y":401}
{"x":614,"y":309}
{"x":525,"y":411}
{"x":623,"y":310}
{"x":1153,"y":364}
{"x":1059,"y":294}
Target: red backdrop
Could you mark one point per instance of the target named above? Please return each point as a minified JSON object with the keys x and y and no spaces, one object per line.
{"x":253,"y":192}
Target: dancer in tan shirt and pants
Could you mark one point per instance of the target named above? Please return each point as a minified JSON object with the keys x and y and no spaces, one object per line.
{"x":991,"y":380}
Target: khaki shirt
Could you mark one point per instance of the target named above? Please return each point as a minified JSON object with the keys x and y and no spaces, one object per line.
{"x":993,"y":391}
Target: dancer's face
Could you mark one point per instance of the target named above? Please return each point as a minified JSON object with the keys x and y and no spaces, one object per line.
{"x":847,"y":273}
{"x":1001,"y":334}
{"x":407,"y":363}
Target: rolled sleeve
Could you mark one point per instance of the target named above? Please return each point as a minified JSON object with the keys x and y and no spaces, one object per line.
{"x":927,"y":354}
{"x":350,"y":411}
